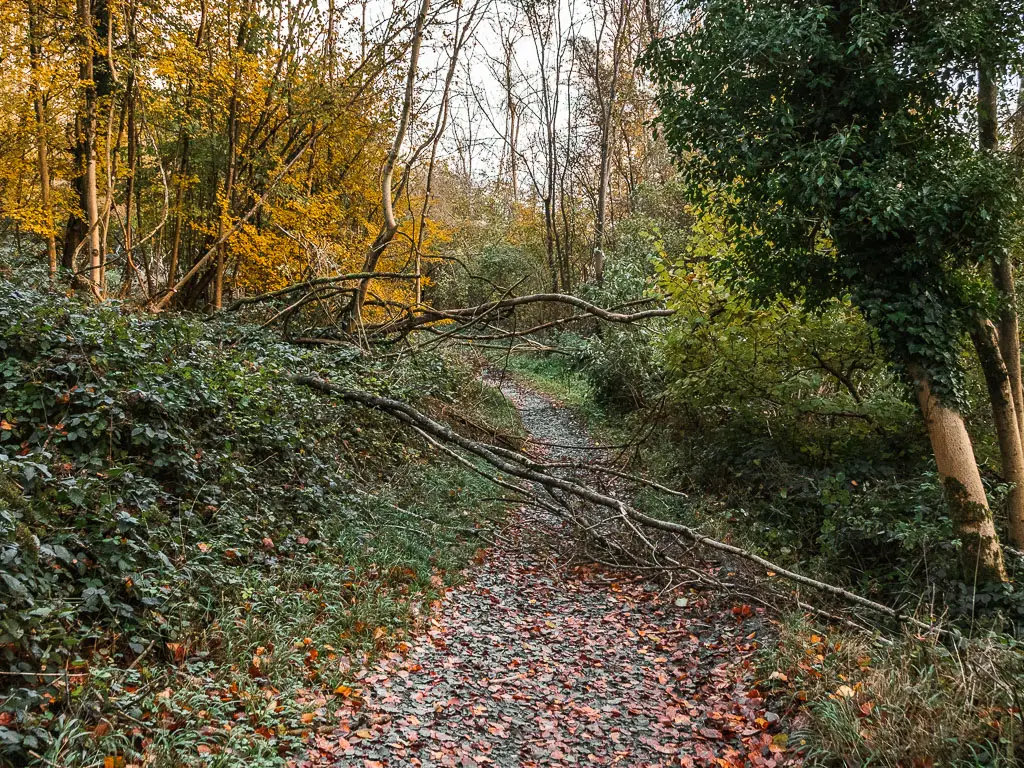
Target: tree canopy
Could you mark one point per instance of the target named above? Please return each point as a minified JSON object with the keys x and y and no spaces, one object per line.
{"x":840,"y":141}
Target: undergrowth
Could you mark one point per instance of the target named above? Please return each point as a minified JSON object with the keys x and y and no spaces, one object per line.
{"x":904,"y":701}
{"x":198,"y":556}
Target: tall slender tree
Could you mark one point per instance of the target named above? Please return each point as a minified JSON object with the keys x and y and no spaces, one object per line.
{"x":838,"y":138}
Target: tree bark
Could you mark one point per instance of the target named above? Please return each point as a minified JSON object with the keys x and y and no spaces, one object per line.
{"x":91,"y":200}
{"x":981,"y":554}
{"x":42,"y":148}
{"x":997,"y":379}
{"x":390,"y":225}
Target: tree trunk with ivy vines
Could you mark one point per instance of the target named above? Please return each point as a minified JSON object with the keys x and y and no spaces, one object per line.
{"x":981,"y":554}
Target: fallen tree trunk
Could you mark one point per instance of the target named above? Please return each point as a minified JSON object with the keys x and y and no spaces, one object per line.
{"x":517,"y":465}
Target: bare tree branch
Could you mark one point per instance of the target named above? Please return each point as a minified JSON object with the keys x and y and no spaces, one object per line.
{"x":516,"y":465}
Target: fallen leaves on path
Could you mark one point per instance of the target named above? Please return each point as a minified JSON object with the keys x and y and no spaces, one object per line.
{"x":532,"y":664}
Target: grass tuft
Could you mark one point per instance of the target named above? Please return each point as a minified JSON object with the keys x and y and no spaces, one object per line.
{"x":909,"y":702}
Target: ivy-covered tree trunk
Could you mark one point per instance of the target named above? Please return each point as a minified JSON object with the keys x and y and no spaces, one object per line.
{"x":981,"y":555}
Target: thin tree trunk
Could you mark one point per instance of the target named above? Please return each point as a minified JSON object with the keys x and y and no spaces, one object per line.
{"x":1009,"y":333}
{"x":511,"y":121}
{"x":607,"y":130}
{"x":222,"y":249}
{"x":549,"y":238}
{"x":229,"y":180}
{"x":92,"y":212}
{"x":76,"y":228}
{"x":1002,"y":271}
{"x":554,"y":242}
{"x":129,"y":195}
{"x":172,"y":266}
{"x":179,"y":191}
{"x":42,"y":148}
{"x":981,"y":554}
{"x":461,"y":34}
{"x":986,"y":342}
{"x":155,"y":252}
{"x":1001,"y":365}
{"x":390,"y":226}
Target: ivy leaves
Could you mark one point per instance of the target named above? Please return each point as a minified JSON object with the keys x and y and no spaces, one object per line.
{"x":837,"y":139}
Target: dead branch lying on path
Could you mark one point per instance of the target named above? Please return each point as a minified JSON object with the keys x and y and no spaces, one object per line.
{"x":606,"y":470}
{"x":430,"y":315}
{"x":402,"y":319}
{"x":517,"y":465}
{"x":508,"y":440}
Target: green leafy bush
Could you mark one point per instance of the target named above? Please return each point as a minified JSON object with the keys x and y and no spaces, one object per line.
{"x":166,"y":494}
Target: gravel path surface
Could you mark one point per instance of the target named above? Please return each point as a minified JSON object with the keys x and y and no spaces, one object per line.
{"x":535,"y":663}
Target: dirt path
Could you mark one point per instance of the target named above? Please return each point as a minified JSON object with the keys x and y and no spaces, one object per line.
{"x":534,"y":663}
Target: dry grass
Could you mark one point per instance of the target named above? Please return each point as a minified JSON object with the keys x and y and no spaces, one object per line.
{"x":911,"y":702}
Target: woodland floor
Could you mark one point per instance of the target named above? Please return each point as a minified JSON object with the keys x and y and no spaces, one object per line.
{"x":538,"y":660}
